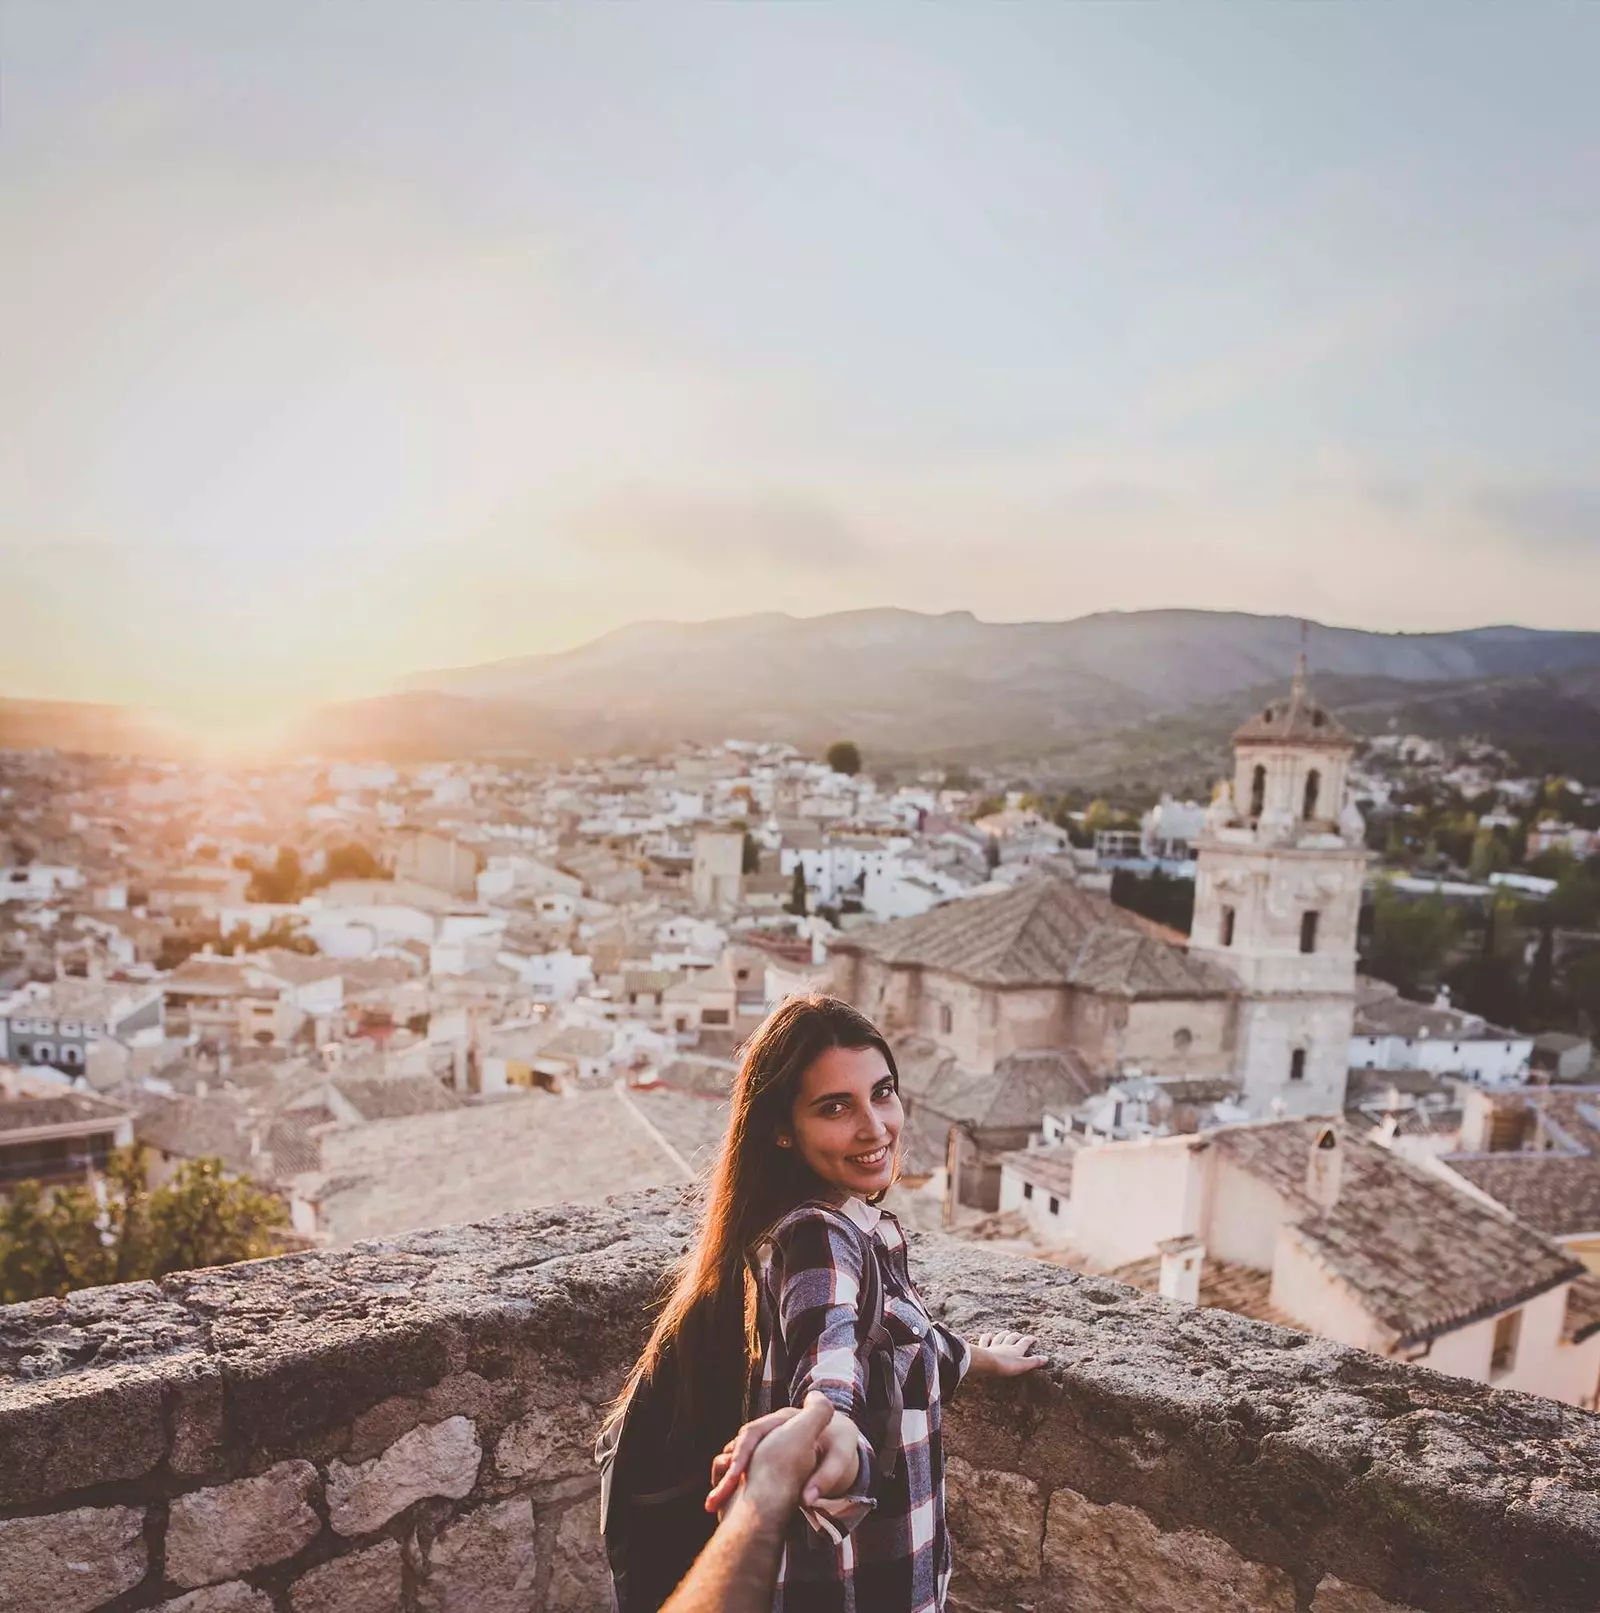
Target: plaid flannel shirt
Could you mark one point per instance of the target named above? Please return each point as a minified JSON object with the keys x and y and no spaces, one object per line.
{"x":885,"y":1548}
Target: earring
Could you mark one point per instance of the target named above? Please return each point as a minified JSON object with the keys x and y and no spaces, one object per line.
{"x":783,"y":1142}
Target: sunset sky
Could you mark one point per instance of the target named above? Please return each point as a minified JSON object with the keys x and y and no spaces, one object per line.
{"x":342,"y":340}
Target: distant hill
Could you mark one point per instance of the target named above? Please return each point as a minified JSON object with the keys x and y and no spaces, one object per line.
{"x":96,"y":730}
{"x":1155,"y":691}
{"x":910,"y":685}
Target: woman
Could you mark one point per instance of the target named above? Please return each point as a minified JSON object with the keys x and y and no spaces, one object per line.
{"x":777,"y":1299}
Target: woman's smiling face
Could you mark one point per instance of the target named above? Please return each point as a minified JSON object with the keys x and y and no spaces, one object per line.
{"x":847,"y":1119}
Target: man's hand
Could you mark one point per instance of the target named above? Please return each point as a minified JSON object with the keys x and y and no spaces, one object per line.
{"x":1003,"y":1355}
{"x":788,"y":1456}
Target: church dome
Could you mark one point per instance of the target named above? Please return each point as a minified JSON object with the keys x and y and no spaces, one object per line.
{"x":1298,"y":720}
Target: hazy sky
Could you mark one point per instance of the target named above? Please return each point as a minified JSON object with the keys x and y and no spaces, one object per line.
{"x":345,"y":339}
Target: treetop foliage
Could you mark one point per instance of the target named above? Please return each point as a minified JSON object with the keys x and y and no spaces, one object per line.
{"x":118,"y":1231}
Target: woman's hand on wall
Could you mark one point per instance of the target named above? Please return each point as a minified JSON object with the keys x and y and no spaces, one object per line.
{"x":1002,"y":1355}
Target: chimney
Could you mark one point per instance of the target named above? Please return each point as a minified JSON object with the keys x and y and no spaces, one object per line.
{"x":1181,"y":1259}
{"x":1324,"y":1166}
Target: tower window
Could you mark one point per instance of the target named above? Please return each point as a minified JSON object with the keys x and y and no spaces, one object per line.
{"x":946,"y":1018}
{"x":1226,"y":931}
{"x":1297,"y":1064}
{"x":1258,"y":791}
{"x":1313,"y":789}
{"x":1308,"y":932}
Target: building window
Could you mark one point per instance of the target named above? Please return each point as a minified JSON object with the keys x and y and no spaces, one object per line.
{"x":1227,"y":926}
{"x":1297,"y":1064}
{"x":1503,"y":1357}
{"x":1308,"y":932}
{"x":1313,"y":789}
{"x":1182,"y":1039}
{"x":1055,"y":1205}
{"x":1258,"y":791}
{"x":44,"y":1053}
{"x":946,"y":1018}
{"x":1027,"y":1190}
{"x":714,"y":1016}
{"x":72,"y":1055}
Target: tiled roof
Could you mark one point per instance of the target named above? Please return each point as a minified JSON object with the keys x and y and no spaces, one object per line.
{"x":217,"y":1126}
{"x":388,"y":1097}
{"x":1224,"y":1286}
{"x":1049,"y":1167}
{"x":1555,"y":1191}
{"x":1389,"y":1014}
{"x":1583,"y":1309}
{"x":59,"y":1109}
{"x":1044,"y":932}
{"x":1423,"y":1257}
{"x":1018,"y":1092}
{"x":1299,"y":720}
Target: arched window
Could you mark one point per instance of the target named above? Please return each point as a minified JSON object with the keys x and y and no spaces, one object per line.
{"x":1182,"y":1039}
{"x":1313,"y":790}
{"x":1258,"y":791}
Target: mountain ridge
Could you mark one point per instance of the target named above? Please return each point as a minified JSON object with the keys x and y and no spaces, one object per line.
{"x":910,"y":684}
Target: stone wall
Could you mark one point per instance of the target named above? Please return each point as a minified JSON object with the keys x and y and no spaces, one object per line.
{"x":407,"y":1424}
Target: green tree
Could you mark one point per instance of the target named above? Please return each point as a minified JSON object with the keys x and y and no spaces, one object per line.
{"x":52,"y":1242}
{"x":350,"y":861}
{"x":797,"y":891}
{"x":844,"y":756}
{"x":284,"y":882}
{"x":1491,"y":853}
{"x":1156,"y":895}
{"x":1542,"y":975}
{"x":1410,"y":939}
{"x":284,"y":935}
{"x":175,"y":948}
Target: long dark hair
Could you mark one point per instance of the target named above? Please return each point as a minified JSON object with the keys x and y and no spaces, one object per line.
{"x":704,"y":1326}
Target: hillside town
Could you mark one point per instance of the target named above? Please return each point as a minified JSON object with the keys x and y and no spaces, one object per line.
{"x":396,"y":997}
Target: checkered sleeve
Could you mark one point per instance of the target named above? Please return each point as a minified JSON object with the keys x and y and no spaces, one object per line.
{"x":955,"y":1356}
{"x":819,"y":1317}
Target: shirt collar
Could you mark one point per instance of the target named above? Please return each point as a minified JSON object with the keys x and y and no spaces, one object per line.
{"x":866,"y":1216}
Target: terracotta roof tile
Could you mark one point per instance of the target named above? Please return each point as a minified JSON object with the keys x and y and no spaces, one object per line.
{"x":1045,"y":932}
{"x":1423,"y":1257}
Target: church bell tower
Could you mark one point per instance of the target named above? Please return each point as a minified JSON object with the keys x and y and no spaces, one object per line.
{"x":1278,"y":900}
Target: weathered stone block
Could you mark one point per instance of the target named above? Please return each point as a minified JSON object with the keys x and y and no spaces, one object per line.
{"x":485,"y":1562}
{"x":222,"y":1532}
{"x":436,"y":1459}
{"x":1334,"y":1596}
{"x":70,"y":1561}
{"x":66,"y":1434}
{"x":580,"y":1575}
{"x":1113,"y":1559}
{"x":550,"y":1442}
{"x":233,"y":1597}
{"x":363,"y":1582}
{"x":996,"y":1527}
{"x":197,"y":1434}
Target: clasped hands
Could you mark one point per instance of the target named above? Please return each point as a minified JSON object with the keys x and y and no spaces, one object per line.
{"x":812,"y":1453}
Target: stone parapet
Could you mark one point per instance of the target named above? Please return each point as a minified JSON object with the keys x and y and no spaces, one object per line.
{"x":406,"y":1425}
